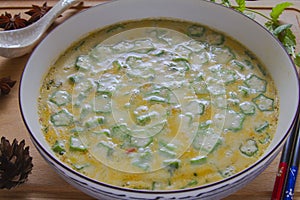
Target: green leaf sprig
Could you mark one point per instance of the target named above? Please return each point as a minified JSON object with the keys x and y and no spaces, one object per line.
{"x":283,"y":32}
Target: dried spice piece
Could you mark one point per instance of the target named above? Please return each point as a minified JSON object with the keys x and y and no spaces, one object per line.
{"x":9,"y":22}
{"x":15,"y":163}
{"x":37,"y":12}
{"x":5,"y":85}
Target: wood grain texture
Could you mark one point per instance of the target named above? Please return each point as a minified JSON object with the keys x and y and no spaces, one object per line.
{"x":43,"y":183}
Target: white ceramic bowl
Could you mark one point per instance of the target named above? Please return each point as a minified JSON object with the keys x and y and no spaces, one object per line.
{"x":245,"y":30}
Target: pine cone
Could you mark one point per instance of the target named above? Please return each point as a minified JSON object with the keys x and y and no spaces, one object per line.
{"x":15,"y":163}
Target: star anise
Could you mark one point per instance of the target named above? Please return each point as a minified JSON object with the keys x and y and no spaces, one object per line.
{"x":15,"y":163}
{"x":9,"y":22}
{"x":5,"y":85}
{"x":37,"y":12}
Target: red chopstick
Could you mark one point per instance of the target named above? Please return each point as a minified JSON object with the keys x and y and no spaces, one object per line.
{"x":285,"y":161}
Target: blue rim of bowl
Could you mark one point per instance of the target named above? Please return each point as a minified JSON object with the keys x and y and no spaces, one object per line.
{"x":162,"y":192}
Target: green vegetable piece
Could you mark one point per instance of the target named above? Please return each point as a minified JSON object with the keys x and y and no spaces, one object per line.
{"x":167,"y":152}
{"x":122,"y":133}
{"x":141,"y":142}
{"x":83,"y":62}
{"x":198,"y":160}
{"x":172,"y":165}
{"x":143,"y":46}
{"x":77,"y":130}
{"x":200,"y":87}
{"x":105,"y":132}
{"x":199,"y":58}
{"x":262,"y":127}
{"x":227,"y":172}
{"x":215,"y":88}
{"x":62,"y":118}
{"x":245,"y":91}
{"x":222,"y":55}
{"x":215,"y":38}
{"x":107,"y":147}
{"x":195,"y":107}
{"x":266,"y":139}
{"x":59,"y":147}
{"x":133,"y":61}
{"x":158,"y":53}
{"x":94,"y":122}
{"x":143,"y":120}
{"x":179,"y":64}
{"x":80,"y":166}
{"x":85,"y":111}
{"x":142,"y":160}
{"x":250,"y":54}
{"x":204,"y":125}
{"x":141,"y":73}
{"x":143,"y":166}
{"x":156,"y":99}
{"x":60,"y":98}
{"x":76,"y":78}
{"x":123,"y":46}
{"x":238,"y":64}
{"x":256,"y":84}
{"x":115,"y":28}
{"x":81,"y":91}
{"x":196,"y":46}
{"x":249,"y":148}
{"x":264,"y":103}
{"x":234,"y":121}
{"x":262,"y":69}
{"x":183,"y":51}
{"x":76,"y":144}
{"x":121,"y":129}
{"x":228,"y":76}
{"x":247,"y":108}
{"x":116,"y":65}
{"x":79,"y":45}
{"x":80,"y":98}
{"x":190,"y":184}
{"x":159,"y":94}
{"x":195,"y":31}
{"x":153,"y":185}
{"x":102,"y":103}
{"x":169,"y":146}
{"x":100,"y":53}
{"x":206,"y":140}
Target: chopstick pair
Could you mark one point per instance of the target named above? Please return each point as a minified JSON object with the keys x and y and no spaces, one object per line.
{"x":288,"y":167}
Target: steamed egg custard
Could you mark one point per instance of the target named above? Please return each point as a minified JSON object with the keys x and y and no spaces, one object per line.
{"x":158,"y":104}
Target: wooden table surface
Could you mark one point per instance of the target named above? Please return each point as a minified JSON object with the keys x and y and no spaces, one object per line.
{"x":43,"y":182}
